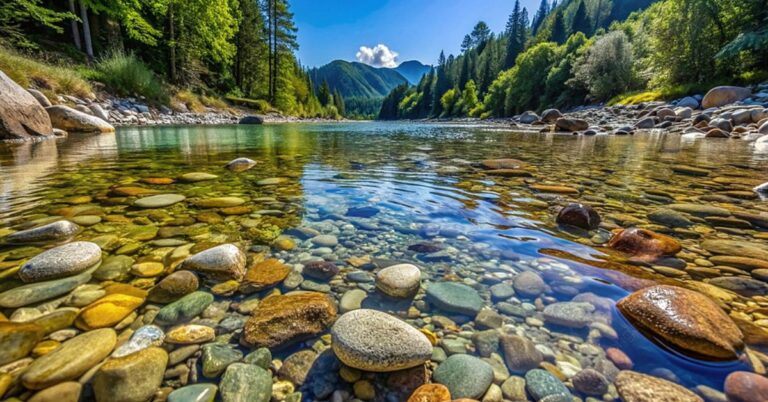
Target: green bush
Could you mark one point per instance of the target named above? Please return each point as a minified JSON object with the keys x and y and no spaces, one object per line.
{"x":126,"y":75}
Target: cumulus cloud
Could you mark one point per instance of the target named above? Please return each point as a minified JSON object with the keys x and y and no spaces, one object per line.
{"x":377,"y":56}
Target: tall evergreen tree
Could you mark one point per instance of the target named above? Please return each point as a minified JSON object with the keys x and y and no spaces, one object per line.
{"x":251,"y":73}
{"x":324,"y":94}
{"x":517,"y":28}
{"x":466,"y":44}
{"x":540,"y":15}
{"x":282,"y":40}
{"x":480,"y":33}
{"x":559,"y":32}
{"x":338,"y":101}
{"x":581,"y":22}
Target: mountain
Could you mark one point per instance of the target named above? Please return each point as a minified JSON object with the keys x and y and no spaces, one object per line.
{"x":357,"y":80}
{"x":412,"y":71}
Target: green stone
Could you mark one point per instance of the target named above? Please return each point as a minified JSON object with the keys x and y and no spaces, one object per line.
{"x":216,"y":358}
{"x":184,"y":309}
{"x":245,"y":383}
{"x":194,"y":393}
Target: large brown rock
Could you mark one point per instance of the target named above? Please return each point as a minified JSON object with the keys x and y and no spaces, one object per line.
{"x":570,"y":125}
{"x":21,"y":116}
{"x":71,"y":120}
{"x":636,"y":387}
{"x":721,"y":96}
{"x":643,"y":244}
{"x":284,"y":319}
{"x":684,"y":319}
{"x":743,"y":386}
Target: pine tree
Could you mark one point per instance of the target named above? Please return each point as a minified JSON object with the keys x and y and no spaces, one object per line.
{"x":515,"y":35}
{"x":282,"y":41}
{"x":480,"y":33}
{"x":442,"y":85}
{"x":559,"y":33}
{"x":324,"y":94}
{"x":251,"y":73}
{"x":338,"y":101}
{"x":466,"y":44}
{"x":581,"y":22}
{"x":540,"y":15}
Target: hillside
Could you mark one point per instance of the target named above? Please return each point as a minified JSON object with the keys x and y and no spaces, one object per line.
{"x":357,"y":80}
{"x":412,"y":70}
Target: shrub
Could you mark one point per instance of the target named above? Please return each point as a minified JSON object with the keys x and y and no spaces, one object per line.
{"x":126,"y":75}
{"x":606,"y":68}
{"x":46,"y":77}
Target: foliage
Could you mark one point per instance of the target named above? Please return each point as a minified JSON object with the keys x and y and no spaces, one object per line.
{"x":15,"y":13}
{"x":606,"y":69}
{"x":126,"y":75}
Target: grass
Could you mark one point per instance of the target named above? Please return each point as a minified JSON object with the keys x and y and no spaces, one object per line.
{"x":126,"y":75}
{"x":258,"y":105}
{"x":48,"y":78}
{"x":665,"y":93}
{"x":189,"y":100}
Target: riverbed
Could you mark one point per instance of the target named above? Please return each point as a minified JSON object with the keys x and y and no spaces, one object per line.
{"x":364,"y":196}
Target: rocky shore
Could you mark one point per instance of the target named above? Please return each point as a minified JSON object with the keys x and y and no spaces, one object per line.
{"x":30,"y":115}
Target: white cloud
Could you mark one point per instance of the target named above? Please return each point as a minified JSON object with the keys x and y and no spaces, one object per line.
{"x":377,"y":56}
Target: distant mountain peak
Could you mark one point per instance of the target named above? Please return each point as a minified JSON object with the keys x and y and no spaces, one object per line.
{"x":413,"y":70}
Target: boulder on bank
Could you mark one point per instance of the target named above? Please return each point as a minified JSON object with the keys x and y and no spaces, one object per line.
{"x":571,"y":125}
{"x":529,"y":117}
{"x":21,"y":115}
{"x":71,"y":120}
{"x":550,"y":115}
{"x":687,"y":320}
{"x":721,"y":96}
{"x":251,"y":119}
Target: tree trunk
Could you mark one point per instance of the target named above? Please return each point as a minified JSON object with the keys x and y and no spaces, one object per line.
{"x":75,"y":29}
{"x":172,"y":37}
{"x":86,"y":30}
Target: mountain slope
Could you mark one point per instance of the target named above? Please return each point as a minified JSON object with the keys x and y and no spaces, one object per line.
{"x":354,"y":79}
{"x":412,"y":71}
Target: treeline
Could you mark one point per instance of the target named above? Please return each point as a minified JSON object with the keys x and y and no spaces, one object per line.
{"x":238,"y":48}
{"x":583,"y":51}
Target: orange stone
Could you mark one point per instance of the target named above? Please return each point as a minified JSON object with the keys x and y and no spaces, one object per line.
{"x":265,"y":274}
{"x":431,"y":393}
{"x":158,"y":180}
{"x":131,"y":191}
{"x":107,"y":311}
{"x":643,"y":244}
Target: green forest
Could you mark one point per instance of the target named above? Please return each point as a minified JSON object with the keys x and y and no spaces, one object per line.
{"x":592,"y":51}
{"x":190,"y":52}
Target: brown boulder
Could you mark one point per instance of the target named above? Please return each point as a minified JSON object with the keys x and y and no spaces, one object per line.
{"x":71,"y":120}
{"x":644,"y":245}
{"x":284,"y":319}
{"x":742,"y":386}
{"x":580,"y":216}
{"x":21,"y":116}
{"x":684,"y":319}
{"x":636,"y":387}
{"x":570,"y":125}
{"x":721,"y":96}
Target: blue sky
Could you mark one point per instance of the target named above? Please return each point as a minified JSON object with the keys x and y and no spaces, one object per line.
{"x":414,"y":29}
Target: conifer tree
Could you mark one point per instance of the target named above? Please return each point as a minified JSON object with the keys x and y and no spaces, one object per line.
{"x":581,"y":22}
{"x":540,"y":15}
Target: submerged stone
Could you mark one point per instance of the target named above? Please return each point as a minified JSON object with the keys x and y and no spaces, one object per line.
{"x":53,"y":232}
{"x":62,"y":261}
{"x":132,"y":378}
{"x":222,"y":262}
{"x":245,"y":383}
{"x":284,"y":319}
{"x":371,"y":340}
{"x":455,"y":297}
{"x":637,"y":387}
{"x":465,"y":376}
{"x":159,"y":201}
{"x":687,"y":320}
{"x":644,"y":244}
